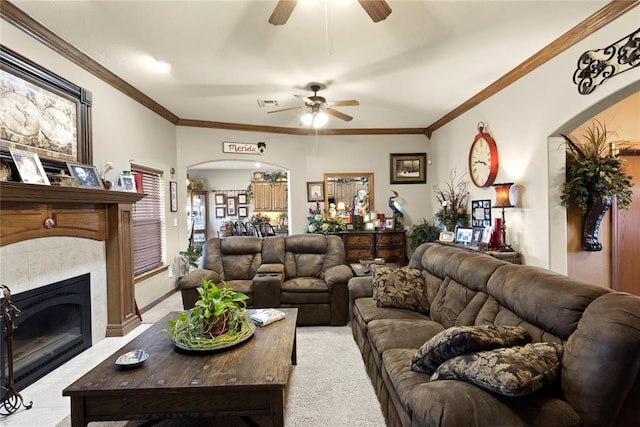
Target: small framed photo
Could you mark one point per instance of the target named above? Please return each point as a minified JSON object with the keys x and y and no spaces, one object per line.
{"x":242,"y":198}
{"x":173,"y":191}
{"x":127,"y":183}
{"x":476,"y":237}
{"x":231,"y":206}
{"x":446,"y":236}
{"x":29,"y":167}
{"x":408,"y":168}
{"x":389,"y":224}
{"x":242,"y":211}
{"x":258,"y":176}
{"x":486,"y":235}
{"x":480,"y":213}
{"x":464,"y":235}
{"x":220,"y":212}
{"x":87,"y":176}
{"x":315,"y":191}
{"x":220,"y":199}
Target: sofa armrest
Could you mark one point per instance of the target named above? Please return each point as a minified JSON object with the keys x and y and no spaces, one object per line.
{"x":360,"y":287}
{"x":194,"y":279}
{"x":266,"y":288}
{"x":337,"y":274}
{"x":271,"y":268}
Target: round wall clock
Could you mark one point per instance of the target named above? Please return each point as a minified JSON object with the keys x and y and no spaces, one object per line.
{"x":483,"y":159}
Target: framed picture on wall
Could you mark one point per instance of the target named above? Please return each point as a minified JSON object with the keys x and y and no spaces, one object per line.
{"x":408,"y":168}
{"x":220,"y":199}
{"x":173,"y":191}
{"x":480,"y":213}
{"x":242,"y":211}
{"x":242,"y":198}
{"x":231,"y":206}
{"x":220,"y":212}
{"x":315,"y":191}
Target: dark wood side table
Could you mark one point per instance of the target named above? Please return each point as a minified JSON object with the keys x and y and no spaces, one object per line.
{"x":387,"y":244}
{"x":512,"y":257}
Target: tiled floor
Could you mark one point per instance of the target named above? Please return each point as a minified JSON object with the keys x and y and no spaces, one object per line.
{"x":49,"y":406}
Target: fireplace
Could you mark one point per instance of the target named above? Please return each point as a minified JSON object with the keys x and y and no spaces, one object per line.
{"x":54,"y":325}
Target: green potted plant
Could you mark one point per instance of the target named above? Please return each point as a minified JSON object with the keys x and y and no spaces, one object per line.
{"x":217,"y":320}
{"x":421,"y":233}
{"x":594,"y":175}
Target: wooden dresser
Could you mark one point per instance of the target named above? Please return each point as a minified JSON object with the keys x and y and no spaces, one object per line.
{"x":387,"y":244}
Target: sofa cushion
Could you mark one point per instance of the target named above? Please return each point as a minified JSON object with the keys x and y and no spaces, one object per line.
{"x":400,"y":287}
{"x":451,"y":301}
{"x":459,"y":340}
{"x":459,"y":403}
{"x":513,"y":371}
{"x":385,"y":334}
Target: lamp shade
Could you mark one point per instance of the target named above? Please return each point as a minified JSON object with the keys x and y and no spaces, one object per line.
{"x":341,"y":206}
{"x":502,"y":195}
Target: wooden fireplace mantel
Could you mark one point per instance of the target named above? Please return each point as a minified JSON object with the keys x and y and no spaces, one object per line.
{"x":29,"y":211}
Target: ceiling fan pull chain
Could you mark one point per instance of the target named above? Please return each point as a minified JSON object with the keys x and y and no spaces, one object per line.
{"x":328,"y":23}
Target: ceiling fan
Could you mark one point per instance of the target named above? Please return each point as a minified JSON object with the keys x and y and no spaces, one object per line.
{"x":318,"y":105}
{"x":378,"y":10}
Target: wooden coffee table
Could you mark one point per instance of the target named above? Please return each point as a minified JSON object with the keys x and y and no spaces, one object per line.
{"x":247,"y":380}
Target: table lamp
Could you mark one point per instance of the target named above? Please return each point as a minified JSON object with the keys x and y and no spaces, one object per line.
{"x":502,"y":202}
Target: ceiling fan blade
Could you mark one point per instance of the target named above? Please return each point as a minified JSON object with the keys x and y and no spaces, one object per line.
{"x":378,"y":10}
{"x":283,"y":109}
{"x":306,"y":99}
{"x":282,"y":11}
{"x":338,"y":114}
{"x":349,"y":103}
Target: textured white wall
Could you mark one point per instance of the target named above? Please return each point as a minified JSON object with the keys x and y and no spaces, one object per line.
{"x":522,"y":118}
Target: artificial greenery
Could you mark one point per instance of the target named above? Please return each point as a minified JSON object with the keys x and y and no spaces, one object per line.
{"x":427,"y":231}
{"x":453,"y":199}
{"x":275,"y":176}
{"x":593,"y":168}
{"x":218,"y":318}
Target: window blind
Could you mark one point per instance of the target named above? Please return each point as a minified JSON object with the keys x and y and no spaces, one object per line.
{"x":148,"y":221}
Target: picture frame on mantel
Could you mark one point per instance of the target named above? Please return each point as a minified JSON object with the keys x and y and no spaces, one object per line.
{"x":62,"y":109}
{"x":408,"y":168}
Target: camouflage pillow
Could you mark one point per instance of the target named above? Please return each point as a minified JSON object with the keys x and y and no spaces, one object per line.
{"x":514,"y":371}
{"x":458,"y":340}
{"x":400,"y":287}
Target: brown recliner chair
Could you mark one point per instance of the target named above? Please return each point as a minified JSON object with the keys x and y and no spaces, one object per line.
{"x":305,"y":271}
{"x":316,"y":278}
{"x":234,"y":260}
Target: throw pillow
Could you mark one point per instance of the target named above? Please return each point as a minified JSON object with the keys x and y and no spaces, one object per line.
{"x":400,"y":287}
{"x":458,"y":340}
{"x":514,"y":371}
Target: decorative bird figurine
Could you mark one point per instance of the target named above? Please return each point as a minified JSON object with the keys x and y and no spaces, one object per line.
{"x":398,"y":212}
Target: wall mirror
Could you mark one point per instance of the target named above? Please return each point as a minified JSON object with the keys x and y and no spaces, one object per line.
{"x":342,"y":189}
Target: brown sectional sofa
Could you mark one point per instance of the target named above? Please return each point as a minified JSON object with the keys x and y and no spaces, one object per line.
{"x":306,"y":271}
{"x":599,"y":329}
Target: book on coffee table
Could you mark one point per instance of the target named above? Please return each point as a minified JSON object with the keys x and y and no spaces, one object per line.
{"x":265,"y":316}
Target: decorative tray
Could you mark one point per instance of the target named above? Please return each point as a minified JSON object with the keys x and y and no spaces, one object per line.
{"x":202,"y":348}
{"x":132,"y":359}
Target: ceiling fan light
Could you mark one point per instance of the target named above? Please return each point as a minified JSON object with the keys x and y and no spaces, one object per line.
{"x":320,"y":119}
{"x":307,"y":119}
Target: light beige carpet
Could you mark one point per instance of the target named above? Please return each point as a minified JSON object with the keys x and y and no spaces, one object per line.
{"x":328,"y":387}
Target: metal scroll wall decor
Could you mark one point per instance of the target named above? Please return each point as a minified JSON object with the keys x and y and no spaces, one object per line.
{"x":597,"y":66}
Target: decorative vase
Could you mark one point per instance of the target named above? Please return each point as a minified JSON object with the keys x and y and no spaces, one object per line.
{"x":496,"y":235}
{"x":597,"y":205}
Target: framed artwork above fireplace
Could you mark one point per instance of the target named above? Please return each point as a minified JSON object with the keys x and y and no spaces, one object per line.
{"x":46,"y":114}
